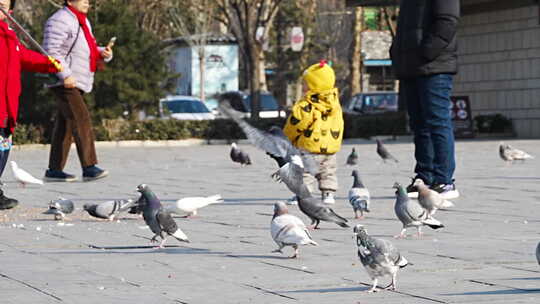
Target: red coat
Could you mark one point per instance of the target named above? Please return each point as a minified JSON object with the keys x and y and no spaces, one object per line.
{"x":14,"y":57}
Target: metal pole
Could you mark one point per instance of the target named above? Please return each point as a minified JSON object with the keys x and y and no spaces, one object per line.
{"x":34,"y":42}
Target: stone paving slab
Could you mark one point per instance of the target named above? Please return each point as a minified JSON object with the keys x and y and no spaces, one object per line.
{"x":485,"y":254}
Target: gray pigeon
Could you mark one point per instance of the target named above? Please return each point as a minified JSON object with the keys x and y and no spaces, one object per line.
{"x":288,"y":230}
{"x":538,"y":253}
{"x":383,"y":152}
{"x":276,"y":145}
{"x":411,"y":214}
{"x":160,"y":221}
{"x":239,"y":156}
{"x":60,"y":207}
{"x":316,"y":210}
{"x":431,"y":200}
{"x":358,"y":196}
{"x":352,"y":159}
{"x":509,"y":154}
{"x":379,"y":257}
{"x":109,"y":209}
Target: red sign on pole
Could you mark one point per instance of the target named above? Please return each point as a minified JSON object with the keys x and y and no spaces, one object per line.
{"x":297,"y":39}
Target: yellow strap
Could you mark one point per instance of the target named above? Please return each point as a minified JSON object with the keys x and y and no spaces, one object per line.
{"x":56,"y":64}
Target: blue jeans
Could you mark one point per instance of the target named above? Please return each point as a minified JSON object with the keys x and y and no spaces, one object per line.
{"x":5,"y":147}
{"x":428,"y":104}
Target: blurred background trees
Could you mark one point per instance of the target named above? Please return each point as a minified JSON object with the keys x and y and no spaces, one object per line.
{"x":138,"y":75}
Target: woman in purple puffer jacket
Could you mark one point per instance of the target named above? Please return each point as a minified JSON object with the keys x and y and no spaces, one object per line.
{"x":68,"y":37}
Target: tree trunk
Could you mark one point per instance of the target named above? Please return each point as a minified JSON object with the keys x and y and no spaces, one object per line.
{"x":202,"y":71}
{"x":356,"y":57}
{"x":311,"y":12}
{"x":255,"y":79}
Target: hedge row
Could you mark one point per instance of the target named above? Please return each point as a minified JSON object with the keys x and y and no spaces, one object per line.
{"x":356,"y":126}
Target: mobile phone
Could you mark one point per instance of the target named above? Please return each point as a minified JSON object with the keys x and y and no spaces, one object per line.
{"x":111,"y":42}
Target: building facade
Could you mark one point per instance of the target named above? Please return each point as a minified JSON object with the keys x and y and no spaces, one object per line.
{"x":499,"y":60}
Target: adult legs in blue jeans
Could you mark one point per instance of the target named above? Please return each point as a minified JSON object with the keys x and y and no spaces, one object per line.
{"x":428,"y":103}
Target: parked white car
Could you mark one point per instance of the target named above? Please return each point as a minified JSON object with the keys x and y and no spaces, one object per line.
{"x":269,"y":107}
{"x":184,"y":108}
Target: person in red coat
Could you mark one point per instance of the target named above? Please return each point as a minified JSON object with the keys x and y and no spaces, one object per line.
{"x":14,"y":57}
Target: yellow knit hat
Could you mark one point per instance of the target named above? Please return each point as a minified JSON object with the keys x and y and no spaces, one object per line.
{"x":320,"y":77}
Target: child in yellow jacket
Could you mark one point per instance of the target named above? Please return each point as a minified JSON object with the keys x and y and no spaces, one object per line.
{"x":316,"y":125}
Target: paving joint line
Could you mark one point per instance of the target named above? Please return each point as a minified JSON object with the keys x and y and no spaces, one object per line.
{"x":31,"y":286}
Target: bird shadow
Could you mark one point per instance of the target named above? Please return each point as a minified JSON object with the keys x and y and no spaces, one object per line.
{"x":327,"y":290}
{"x":495,"y":292}
{"x":144,"y":249}
{"x":533,"y":278}
{"x":257,"y":256}
{"x":383,"y":197}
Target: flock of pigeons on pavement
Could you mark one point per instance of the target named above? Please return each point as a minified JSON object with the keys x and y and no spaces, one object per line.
{"x":379,"y":256}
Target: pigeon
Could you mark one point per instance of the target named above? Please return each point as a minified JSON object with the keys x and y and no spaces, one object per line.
{"x":383,"y":152}
{"x":288,"y":230}
{"x":109,"y":209}
{"x":379,"y":257}
{"x":538,"y":253}
{"x":60,"y":207}
{"x":431,"y":200}
{"x":352,"y":159}
{"x":160,"y":221}
{"x":316,"y":210}
{"x":509,"y":154}
{"x":291,"y":161}
{"x":411,"y":214}
{"x":22,"y":176}
{"x":190,"y":205}
{"x":358,"y":196}
{"x":239,"y":156}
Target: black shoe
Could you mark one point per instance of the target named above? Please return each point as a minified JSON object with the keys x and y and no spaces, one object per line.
{"x":93,"y":172}
{"x":58,"y":176}
{"x":6,"y":202}
{"x":447,"y":191}
{"x":412,"y":190}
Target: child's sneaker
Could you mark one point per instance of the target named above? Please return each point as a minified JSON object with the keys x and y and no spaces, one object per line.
{"x":447,"y":191}
{"x":292,"y":201}
{"x":412,"y":190}
{"x":328,"y":197}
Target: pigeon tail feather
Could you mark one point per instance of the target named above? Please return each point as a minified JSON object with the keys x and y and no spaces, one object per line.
{"x":433,"y":223}
{"x":447,"y":204}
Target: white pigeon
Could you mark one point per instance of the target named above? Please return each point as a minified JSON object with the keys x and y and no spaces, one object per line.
{"x":431,"y":200}
{"x":190,"y":205}
{"x":288,"y":230}
{"x":509,"y":154}
{"x":358,"y":196}
{"x":22,"y":176}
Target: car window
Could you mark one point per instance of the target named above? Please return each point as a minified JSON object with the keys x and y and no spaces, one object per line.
{"x":379,"y":102}
{"x":268,"y":103}
{"x":185,"y":106}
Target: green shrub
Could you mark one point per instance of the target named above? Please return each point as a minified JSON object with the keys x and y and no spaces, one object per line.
{"x":356,"y":126}
{"x":493,"y":123}
{"x":28,"y":134}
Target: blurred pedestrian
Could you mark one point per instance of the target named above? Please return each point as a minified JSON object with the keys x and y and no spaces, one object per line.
{"x":424,"y":57}
{"x":14,"y":57}
{"x":68,"y":36}
{"x":316,"y":125}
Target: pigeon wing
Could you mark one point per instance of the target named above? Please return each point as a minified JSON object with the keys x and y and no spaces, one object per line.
{"x":272,"y":144}
{"x":292,"y":176}
{"x":166,"y":222}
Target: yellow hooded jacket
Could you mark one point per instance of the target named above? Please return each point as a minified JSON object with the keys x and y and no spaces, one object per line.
{"x":316,"y":122}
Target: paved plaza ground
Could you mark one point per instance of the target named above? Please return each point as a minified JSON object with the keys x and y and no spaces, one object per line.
{"x":485,"y":254}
